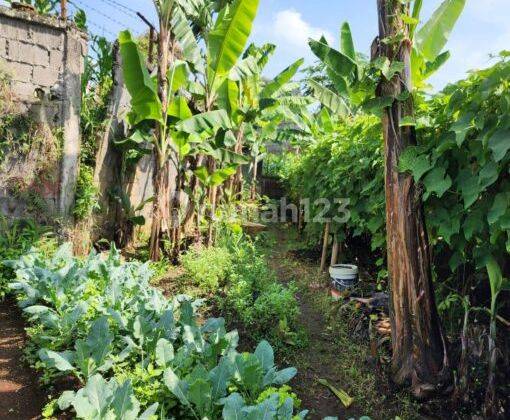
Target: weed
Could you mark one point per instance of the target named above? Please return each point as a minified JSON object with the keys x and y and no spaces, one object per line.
{"x":86,"y":198}
{"x":208,"y":267}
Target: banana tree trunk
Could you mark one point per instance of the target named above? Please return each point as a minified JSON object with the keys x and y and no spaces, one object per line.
{"x":176,"y":221}
{"x":213,"y":192}
{"x":192,"y":208}
{"x":161,"y":206}
{"x":253,"y":190}
{"x":419,"y":346}
{"x":160,"y":209}
{"x":238,"y":177}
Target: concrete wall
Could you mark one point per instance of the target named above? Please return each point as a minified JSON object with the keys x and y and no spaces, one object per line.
{"x":135,"y":182}
{"x":45,"y":58}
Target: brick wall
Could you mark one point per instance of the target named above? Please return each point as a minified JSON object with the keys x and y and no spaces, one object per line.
{"x":44,"y":57}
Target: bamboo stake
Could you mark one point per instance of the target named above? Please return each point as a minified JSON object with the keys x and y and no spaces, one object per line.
{"x":325,"y":247}
{"x":335,"y":251}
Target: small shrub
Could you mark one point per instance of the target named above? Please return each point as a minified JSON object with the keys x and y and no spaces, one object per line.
{"x":208,"y":267}
{"x":256,"y":298}
{"x":86,"y":200}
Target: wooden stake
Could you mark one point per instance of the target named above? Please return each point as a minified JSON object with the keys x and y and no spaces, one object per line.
{"x":152,"y":36}
{"x":325,"y":247}
{"x":152,"y":33}
{"x":63,"y":9}
{"x":334,"y":252}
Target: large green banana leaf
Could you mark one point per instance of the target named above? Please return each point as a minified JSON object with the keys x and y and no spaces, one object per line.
{"x":328,"y":98}
{"x":145,"y":101}
{"x":228,"y":97}
{"x":432,"y":37}
{"x":346,"y":42}
{"x":227,"y":40}
{"x":281,"y":79}
{"x":206,"y":124}
{"x":262,"y":54}
{"x":334,"y":59}
{"x":245,"y":68}
{"x":187,"y":41}
{"x":177,"y":75}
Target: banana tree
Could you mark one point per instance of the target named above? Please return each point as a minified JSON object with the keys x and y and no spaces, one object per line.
{"x":420,"y":355}
{"x":403,"y":57}
{"x":155,"y":105}
{"x":261,"y":105}
{"x":159,"y":104}
{"x":213,"y":92}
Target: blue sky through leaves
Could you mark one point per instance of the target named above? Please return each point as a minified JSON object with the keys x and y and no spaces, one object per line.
{"x":482,"y":29}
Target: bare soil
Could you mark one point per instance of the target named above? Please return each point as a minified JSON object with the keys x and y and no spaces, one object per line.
{"x":20,"y":394}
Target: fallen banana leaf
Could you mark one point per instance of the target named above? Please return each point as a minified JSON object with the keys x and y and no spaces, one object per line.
{"x":341,"y":395}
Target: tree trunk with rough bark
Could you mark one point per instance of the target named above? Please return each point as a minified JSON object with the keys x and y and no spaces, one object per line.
{"x":193,"y":207}
{"x":253,"y":189}
{"x":212,"y":194}
{"x":237,"y":180}
{"x":161,"y":206}
{"x":419,"y":346}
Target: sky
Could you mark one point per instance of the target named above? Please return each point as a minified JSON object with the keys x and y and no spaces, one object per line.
{"x":482,"y":30}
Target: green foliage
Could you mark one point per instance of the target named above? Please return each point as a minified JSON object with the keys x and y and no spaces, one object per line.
{"x":228,"y":38}
{"x":254,"y":296}
{"x":346,"y":164}
{"x":284,"y":392}
{"x":86,"y":197}
{"x":350,"y":80}
{"x":432,"y":37}
{"x":135,"y":351}
{"x":273,"y":165}
{"x":208,"y":267}
{"x":16,"y":238}
{"x":96,"y":88}
{"x":245,"y":288}
{"x":460,"y":161}
{"x":145,"y":103}
{"x":466,"y":190}
{"x":460,"y":165}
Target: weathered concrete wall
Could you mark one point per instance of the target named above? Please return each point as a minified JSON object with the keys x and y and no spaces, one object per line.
{"x":45,"y":58}
{"x":135,"y":182}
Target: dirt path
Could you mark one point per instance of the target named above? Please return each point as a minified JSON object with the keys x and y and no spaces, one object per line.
{"x":338,"y":347}
{"x":20,"y":396}
{"x":319,"y":358}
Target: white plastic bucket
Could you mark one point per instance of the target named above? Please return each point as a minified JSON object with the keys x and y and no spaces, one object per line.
{"x":344,"y":276}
